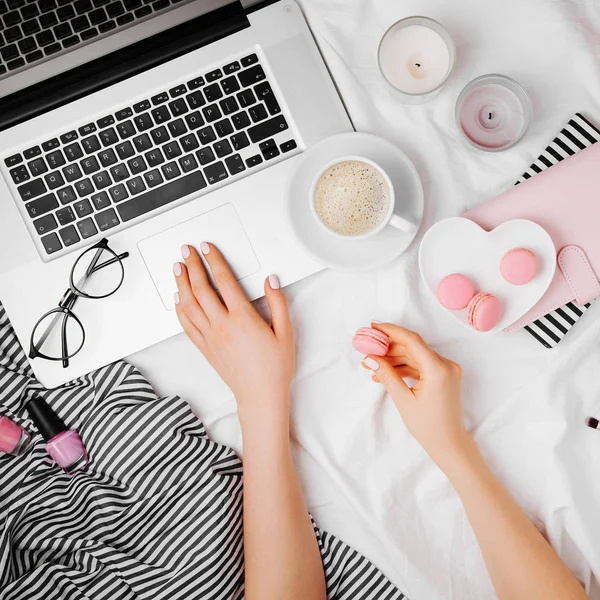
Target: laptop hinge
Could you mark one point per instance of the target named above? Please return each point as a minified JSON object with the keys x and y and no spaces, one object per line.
{"x":121,"y":64}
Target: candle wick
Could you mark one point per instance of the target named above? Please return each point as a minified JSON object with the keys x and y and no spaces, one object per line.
{"x":417,"y":64}
{"x":490,"y":116}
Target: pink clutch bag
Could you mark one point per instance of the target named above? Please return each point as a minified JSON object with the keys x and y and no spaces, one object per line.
{"x":564,"y":200}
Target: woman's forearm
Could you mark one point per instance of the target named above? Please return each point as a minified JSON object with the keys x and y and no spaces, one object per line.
{"x":282,"y":558}
{"x":521,"y":563}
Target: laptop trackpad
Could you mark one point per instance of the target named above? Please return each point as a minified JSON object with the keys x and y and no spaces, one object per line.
{"x":220,"y":226}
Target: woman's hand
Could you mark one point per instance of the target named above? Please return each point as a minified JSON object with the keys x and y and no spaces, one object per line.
{"x":253,"y":359}
{"x":431,"y":408}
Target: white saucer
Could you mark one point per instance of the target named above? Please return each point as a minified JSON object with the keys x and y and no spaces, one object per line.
{"x":347,"y":254}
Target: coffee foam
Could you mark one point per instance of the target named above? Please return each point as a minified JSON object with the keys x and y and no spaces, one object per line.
{"x":352,"y":198}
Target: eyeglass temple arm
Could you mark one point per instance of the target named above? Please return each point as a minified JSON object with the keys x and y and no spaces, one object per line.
{"x":64,"y":345}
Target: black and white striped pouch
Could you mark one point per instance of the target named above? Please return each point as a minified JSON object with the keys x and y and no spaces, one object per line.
{"x":578,"y":134}
{"x":156,"y":515}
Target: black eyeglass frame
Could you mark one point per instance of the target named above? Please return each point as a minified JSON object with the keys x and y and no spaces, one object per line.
{"x":68,"y":300}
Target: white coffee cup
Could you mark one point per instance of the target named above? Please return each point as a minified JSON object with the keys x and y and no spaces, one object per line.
{"x":389,"y":219}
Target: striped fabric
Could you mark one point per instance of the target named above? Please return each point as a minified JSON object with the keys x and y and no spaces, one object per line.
{"x":156,"y":515}
{"x":578,"y":134}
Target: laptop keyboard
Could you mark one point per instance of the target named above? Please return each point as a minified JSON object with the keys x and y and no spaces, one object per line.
{"x":32,"y":30}
{"x":89,"y":180}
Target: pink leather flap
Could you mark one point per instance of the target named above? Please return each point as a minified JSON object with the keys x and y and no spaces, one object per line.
{"x":579,"y":274}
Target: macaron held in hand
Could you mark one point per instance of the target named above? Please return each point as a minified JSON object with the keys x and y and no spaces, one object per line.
{"x":371,"y":341}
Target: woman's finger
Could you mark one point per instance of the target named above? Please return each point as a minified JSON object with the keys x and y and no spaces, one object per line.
{"x":188,"y":326}
{"x":280,"y":314}
{"x":228,"y":287}
{"x":398,"y":361}
{"x":187,"y":300}
{"x":203,"y":290}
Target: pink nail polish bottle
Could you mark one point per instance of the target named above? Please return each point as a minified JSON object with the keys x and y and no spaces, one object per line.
{"x":62,"y":444}
{"x":13,"y":438}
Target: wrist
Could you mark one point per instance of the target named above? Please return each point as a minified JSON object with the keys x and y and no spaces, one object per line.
{"x":460,"y":464}
{"x":264,"y":414}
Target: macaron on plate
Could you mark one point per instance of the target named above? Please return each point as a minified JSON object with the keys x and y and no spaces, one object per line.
{"x":459,"y":246}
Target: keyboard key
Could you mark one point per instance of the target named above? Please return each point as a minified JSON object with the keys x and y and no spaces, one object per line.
{"x":160,"y":5}
{"x":258,"y":113}
{"x":222,"y":148}
{"x":66,"y":195}
{"x":90,"y":165}
{"x":118,"y":193}
{"x":107,"y":219}
{"x":82,"y":6}
{"x":107,"y":157}
{"x":177,"y":127}
{"x":65,"y":215}
{"x":30,"y":11}
{"x":55,"y":159}
{"x":123,"y":114}
{"x":215,"y":173}
{"x":126,"y":129}
{"x":153,"y":178}
{"x":101,"y":180}
{"x":252,"y":75}
{"x":70,"y":41}
{"x":100,"y":200}
{"x":108,"y":137}
{"x":189,"y":142}
{"x":239,"y":141}
{"x":32,"y":152}
{"x":51,"y":243}
{"x":19,"y":174}
{"x":249,"y":60}
{"x":160,"y":134}
{"x":254,"y":160}
{"x":230,"y":85}
{"x":54,"y":180}
{"x":143,"y":122}
{"x":161,"y":114}
{"x":115,"y":9}
{"x":154,"y":199}
{"x":229,"y":105}
{"x":160,"y":98}
{"x":62,"y":31}
{"x":178,"y":107}
{"x":65,"y":13}
{"x":142,"y":142}
{"x":154,"y":157}
{"x":235,"y":164}
{"x":13,"y":160}
{"x":119,"y":172}
{"x":177,"y":91}
{"x":136,"y":186}
{"x":141,"y":106}
{"x":73,"y":151}
{"x":27,"y":45}
{"x":72,"y":172}
{"x":240,"y":120}
{"x":105,"y":122}
{"x":231,"y":68}
{"x":12,"y":18}
{"x":50,"y":145}
{"x":80,"y":24}
{"x":214,"y":75}
{"x":32,"y":189}
{"x":46,"y":5}
{"x":207,"y":135}
{"x":107,"y":26}
{"x":69,"y":235}
{"x":125,"y":150}
{"x":98,"y":16}
{"x":206,"y":155}
{"x":188,"y":163}
{"x":87,"y":228}
{"x":137,"y":165}
{"x":15,"y":64}
{"x":170,"y":170}
{"x":84,"y":188}
{"x":124,"y":19}
{"x":41,"y":206}
{"x":265,"y":93}
{"x":171,"y":150}
{"x":88,"y":34}
{"x":30,"y":27}
{"x":89,"y":128}
{"x":12,"y":34}
{"x":9,"y":52}
{"x":45,"y":224}
{"x":288,"y":146}
{"x":223,"y":127}
{"x":211,"y":113}
{"x":195,"y":83}
{"x":194,"y":120}
{"x":83,"y":208}
{"x":213,"y":92}
{"x":65,"y":138}
{"x":267,"y":128}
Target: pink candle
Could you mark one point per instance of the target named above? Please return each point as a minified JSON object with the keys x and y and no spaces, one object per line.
{"x":493,"y":112}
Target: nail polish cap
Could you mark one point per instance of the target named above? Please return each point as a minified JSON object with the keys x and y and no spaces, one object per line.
{"x":44,"y":418}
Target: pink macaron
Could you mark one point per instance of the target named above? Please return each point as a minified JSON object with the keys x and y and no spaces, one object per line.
{"x":484,"y":311}
{"x":519,"y":266}
{"x":455,"y":291}
{"x":371,"y":341}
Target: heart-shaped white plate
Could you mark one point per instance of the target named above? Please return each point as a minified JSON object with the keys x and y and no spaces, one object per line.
{"x":458,"y":245}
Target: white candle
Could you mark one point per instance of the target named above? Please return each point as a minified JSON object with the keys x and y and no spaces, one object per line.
{"x":416,"y":55}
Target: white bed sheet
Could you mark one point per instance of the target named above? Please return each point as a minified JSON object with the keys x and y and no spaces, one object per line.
{"x":364,"y":478}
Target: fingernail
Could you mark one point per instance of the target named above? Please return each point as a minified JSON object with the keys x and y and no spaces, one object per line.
{"x":205,"y":248}
{"x":274,"y":282}
{"x":371,"y":363}
{"x":185,"y":251}
{"x":376,"y":321}
{"x":177,"y":269}
{"x":176,"y":296}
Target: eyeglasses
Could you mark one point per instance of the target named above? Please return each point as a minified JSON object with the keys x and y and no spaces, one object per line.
{"x":59,"y":334}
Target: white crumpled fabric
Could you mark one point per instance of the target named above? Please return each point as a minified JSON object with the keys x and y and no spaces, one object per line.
{"x":364,"y":478}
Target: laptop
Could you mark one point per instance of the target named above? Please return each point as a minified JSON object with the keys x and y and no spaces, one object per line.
{"x":149,"y":125}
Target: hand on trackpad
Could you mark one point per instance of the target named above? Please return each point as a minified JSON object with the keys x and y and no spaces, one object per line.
{"x":220,"y":226}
